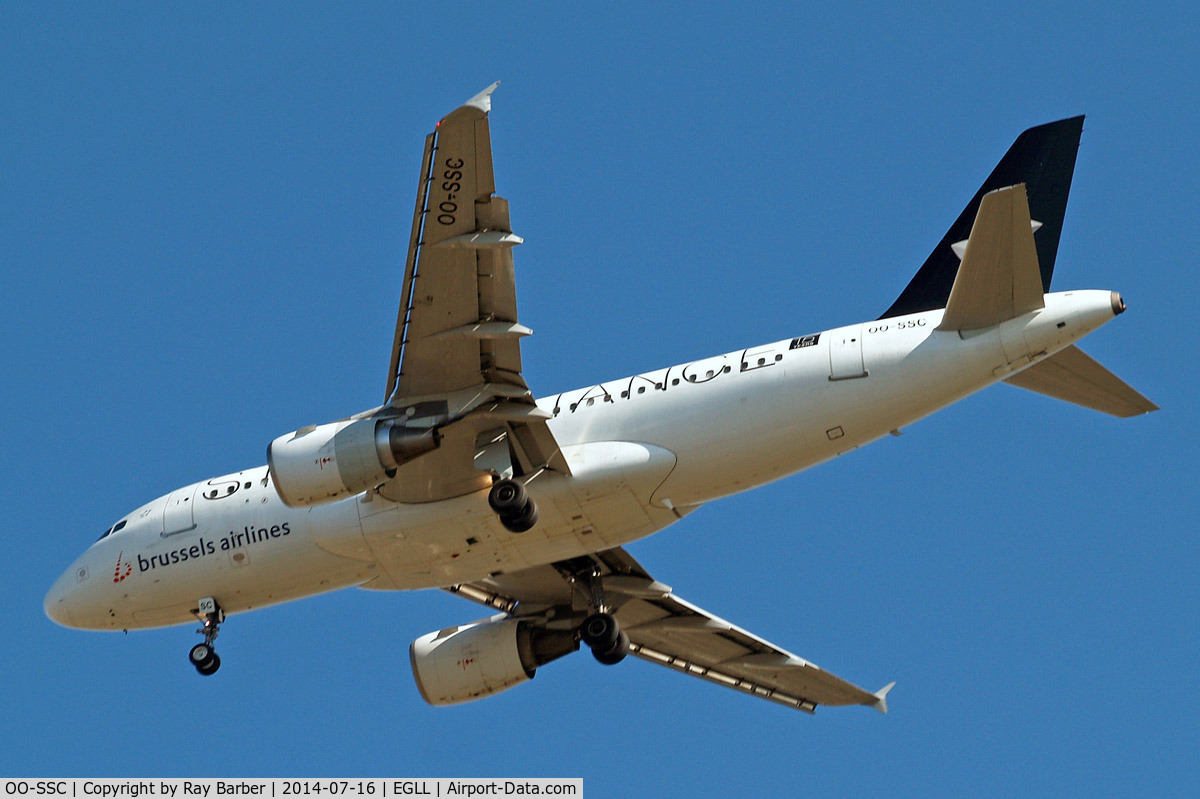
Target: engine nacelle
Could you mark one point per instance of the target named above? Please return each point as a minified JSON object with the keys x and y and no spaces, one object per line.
{"x":325,"y":462}
{"x":475,"y":660}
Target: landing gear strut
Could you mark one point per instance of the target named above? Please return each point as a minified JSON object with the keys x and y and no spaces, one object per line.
{"x":512,"y":503}
{"x":203,"y":656}
{"x":600,"y":631}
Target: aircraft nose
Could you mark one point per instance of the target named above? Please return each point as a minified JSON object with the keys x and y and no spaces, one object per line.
{"x":56,"y":604}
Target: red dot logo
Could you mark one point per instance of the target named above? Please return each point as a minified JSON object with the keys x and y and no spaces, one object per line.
{"x":118,"y":575}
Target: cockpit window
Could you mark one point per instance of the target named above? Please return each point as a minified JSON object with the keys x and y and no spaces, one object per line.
{"x":116,"y":528}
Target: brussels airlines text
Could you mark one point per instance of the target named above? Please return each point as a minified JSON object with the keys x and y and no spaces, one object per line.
{"x":205,"y":547}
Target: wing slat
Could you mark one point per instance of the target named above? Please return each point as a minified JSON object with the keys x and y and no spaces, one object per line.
{"x":410,"y":265}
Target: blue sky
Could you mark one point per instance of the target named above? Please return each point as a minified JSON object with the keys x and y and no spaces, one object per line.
{"x":203,"y":215}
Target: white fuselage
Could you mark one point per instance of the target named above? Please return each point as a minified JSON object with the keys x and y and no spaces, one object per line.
{"x":643,"y":451}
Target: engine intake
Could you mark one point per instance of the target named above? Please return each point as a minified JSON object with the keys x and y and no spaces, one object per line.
{"x":325,"y":462}
{"x":472,"y":661}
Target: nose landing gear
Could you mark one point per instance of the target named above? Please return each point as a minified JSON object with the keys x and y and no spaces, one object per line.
{"x":512,"y":503}
{"x":203,"y":656}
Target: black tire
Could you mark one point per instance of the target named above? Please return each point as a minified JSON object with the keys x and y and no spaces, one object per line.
{"x":600,"y":631}
{"x":523,"y":521}
{"x":201,"y":655}
{"x":211,"y":667}
{"x":508,"y":498}
{"x":615,"y":655}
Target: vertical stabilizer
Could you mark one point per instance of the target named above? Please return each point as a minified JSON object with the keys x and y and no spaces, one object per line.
{"x":1043,"y":158}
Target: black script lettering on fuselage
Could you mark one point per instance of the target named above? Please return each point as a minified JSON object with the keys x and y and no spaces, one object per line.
{"x":205,"y":547}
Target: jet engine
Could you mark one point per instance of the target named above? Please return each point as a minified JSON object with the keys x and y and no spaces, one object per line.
{"x":321,"y":463}
{"x":475,"y":660}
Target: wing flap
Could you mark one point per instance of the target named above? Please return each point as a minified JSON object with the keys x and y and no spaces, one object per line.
{"x":748,"y":686}
{"x":1071,"y":375}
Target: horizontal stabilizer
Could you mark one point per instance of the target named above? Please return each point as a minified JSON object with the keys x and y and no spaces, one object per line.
{"x":1072,"y":376}
{"x":998,"y":278}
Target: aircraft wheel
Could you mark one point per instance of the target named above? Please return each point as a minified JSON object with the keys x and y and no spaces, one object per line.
{"x":616,"y":654}
{"x":600,"y":632}
{"x":211,"y":667}
{"x":201,"y":655}
{"x":522,"y":521}
{"x":508,"y":498}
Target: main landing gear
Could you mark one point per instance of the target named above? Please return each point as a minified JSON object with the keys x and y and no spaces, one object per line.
{"x":512,"y":503}
{"x":600,"y":631}
{"x":203,"y":656}
{"x":608,"y":642}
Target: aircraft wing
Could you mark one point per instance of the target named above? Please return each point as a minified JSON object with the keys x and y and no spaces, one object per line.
{"x":666,"y":629}
{"x":456,"y":357}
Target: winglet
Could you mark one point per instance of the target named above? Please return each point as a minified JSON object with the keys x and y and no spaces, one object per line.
{"x":880,"y":702}
{"x":479,"y":104}
{"x":483,"y":100}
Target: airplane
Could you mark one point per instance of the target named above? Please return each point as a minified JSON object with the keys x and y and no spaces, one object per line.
{"x":463,"y":481}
